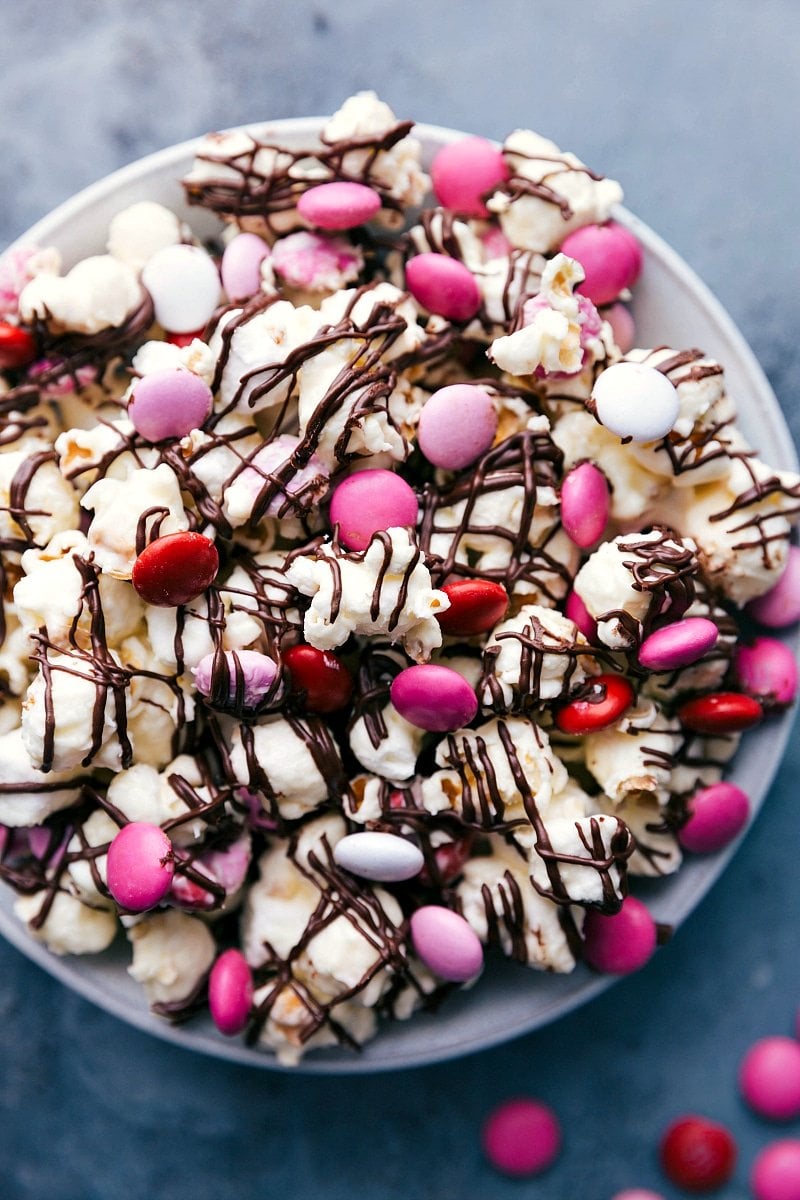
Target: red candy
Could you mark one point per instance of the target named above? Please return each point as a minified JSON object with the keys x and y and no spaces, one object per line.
{"x":325,"y":680}
{"x":697,"y":1154}
{"x":476,"y":605}
{"x":175,"y":569}
{"x":17,"y":347}
{"x":720,"y":712}
{"x":184,"y":339}
{"x":609,"y":696}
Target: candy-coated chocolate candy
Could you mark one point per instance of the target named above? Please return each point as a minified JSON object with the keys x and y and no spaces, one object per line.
{"x":605,"y":700}
{"x":780,"y":606}
{"x":445,"y":943}
{"x":457,"y":425}
{"x":776,"y":1171}
{"x":678,"y":644}
{"x":463,"y":171}
{"x":339,"y":205}
{"x":433,"y":697}
{"x":610,"y":256}
{"x":241,"y":265}
{"x":622,"y":325}
{"x":769,"y":1078}
{"x":635,"y":401}
{"x":637,"y":1194}
{"x":251,"y":675}
{"x":230,"y":992}
{"x":444,"y":286}
{"x":697,"y":1154}
{"x":576,"y":610}
{"x":140,"y":866}
{"x":717,"y":813}
{"x":521,"y":1137}
{"x":321,"y":678}
{"x":175,"y":569}
{"x":383,"y":857}
{"x":476,"y":605}
{"x":585,"y":503}
{"x":720,"y":712}
{"x":621,"y":943}
{"x":184,"y":285}
{"x":17,"y":347}
{"x":767,"y":669}
{"x":368,"y":502}
{"x":169,"y":404}
{"x":449,"y":859}
{"x":184,"y":339}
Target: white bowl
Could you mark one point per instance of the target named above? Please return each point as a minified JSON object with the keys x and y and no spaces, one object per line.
{"x":671,"y":306}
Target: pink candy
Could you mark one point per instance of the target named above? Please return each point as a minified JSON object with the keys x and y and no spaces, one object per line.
{"x":766,"y":669}
{"x":456,"y":426}
{"x":576,"y":610}
{"x":716,"y":815}
{"x":776,"y":1171}
{"x":622,"y":326}
{"x":522,"y":1137}
{"x":169,"y":404}
{"x":678,"y":644}
{"x":339,"y":205}
{"x":637,"y":1194}
{"x":610,"y":256}
{"x":444,"y":286}
{"x":141,"y":864}
{"x":621,"y":943}
{"x":370,"y":501}
{"x":769,"y":1078}
{"x":241,"y":265}
{"x":308,"y":483}
{"x":780,"y":606}
{"x":250,"y":674}
{"x":433,"y":697}
{"x":230,"y":992}
{"x":445,"y":943}
{"x":462,"y":172}
{"x":585,"y":504}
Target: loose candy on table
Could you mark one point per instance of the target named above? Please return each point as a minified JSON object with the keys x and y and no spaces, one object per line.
{"x":605,"y":698}
{"x":637,"y":1194}
{"x":620,"y":943}
{"x":241,"y":263}
{"x":184,"y":285}
{"x":697,"y":1154}
{"x":622,"y":325}
{"x":320,"y":679}
{"x":339,"y":205}
{"x":717,"y":814}
{"x":611,"y":258}
{"x":369,"y":502}
{"x":434,"y":698}
{"x":780,"y":606}
{"x":140,"y":866}
{"x":521,"y":1137}
{"x":769,"y":1078}
{"x":678,"y":645}
{"x":775,"y":1173}
{"x":17,"y":347}
{"x":457,"y":425}
{"x":720,"y":712}
{"x":446,"y":943}
{"x":476,"y":606}
{"x":381,"y":857}
{"x":251,"y":676}
{"x":635,"y":401}
{"x":169,"y":404}
{"x":585,"y":504}
{"x":464,"y":171}
{"x":175,"y":569}
{"x":230,"y":992}
{"x":767,"y":670}
{"x":443,"y":286}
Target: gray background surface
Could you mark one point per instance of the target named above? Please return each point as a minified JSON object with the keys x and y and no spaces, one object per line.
{"x":693,"y":106}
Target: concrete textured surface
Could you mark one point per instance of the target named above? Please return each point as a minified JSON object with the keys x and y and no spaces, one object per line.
{"x":693,"y":107}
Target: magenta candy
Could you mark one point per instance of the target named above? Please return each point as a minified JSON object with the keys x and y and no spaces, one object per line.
{"x":445,"y":943}
{"x":767,"y":670}
{"x":444,"y":286}
{"x":622,"y":326}
{"x":140,"y":866}
{"x":433,"y":697}
{"x":463,"y":171}
{"x":521,"y":1137}
{"x":678,"y":644}
{"x":716,"y":815}
{"x":457,"y":425}
{"x":339,"y":205}
{"x":368,"y":502}
{"x":576,"y":610}
{"x":585,"y":504}
{"x":610,"y":256}
{"x":254,"y":672}
{"x":780,"y":606}
{"x":637,"y":1194}
{"x":622,"y":943}
{"x":769,"y":1078}
{"x":230,"y":992}
{"x":169,"y":404}
{"x":241,"y":265}
{"x":776,"y":1171}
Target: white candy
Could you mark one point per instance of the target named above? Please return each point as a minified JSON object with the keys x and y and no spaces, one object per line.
{"x":381,"y":856}
{"x":185,"y":287}
{"x":636,"y":401}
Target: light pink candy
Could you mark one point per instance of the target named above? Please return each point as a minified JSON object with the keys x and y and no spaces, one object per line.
{"x":241,"y":265}
{"x":780,"y":606}
{"x":619,"y":944}
{"x":445,"y":943}
{"x":339,"y":205}
{"x":776,"y":1171}
{"x":456,"y":426}
{"x":769,"y":1078}
{"x":495,"y":243}
{"x":767,"y":670}
{"x":521,"y":1137}
{"x":433,"y":697}
{"x":309,"y":260}
{"x":678,"y":644}
{"x":169,"y":404}
{"x":463,"y":171}
{"x":308,"y":483}
{"x":622,"y":325}
{"x":717,"y":813}
{"x":140,"y":866}
{"x":576,"y":610}
{"x":610,"y":256}
{"x":227,"y":867}
{"x":444,"y":286}
{"x":230,"y":992}
{"x":258,"y":672}
{"x":585,"y":503}
{"x":637,"y":1194}
{"x":368,"y":502}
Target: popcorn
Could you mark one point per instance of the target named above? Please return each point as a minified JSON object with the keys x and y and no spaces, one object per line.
{"x":98,"y":293}
{"x":171,"y":954}
{"x":127,"y":512}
